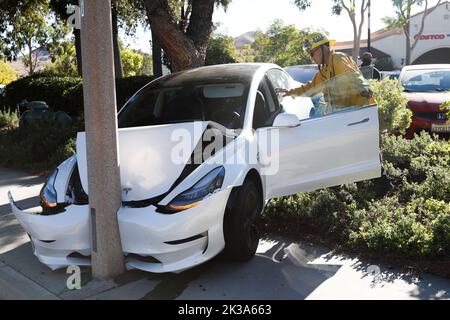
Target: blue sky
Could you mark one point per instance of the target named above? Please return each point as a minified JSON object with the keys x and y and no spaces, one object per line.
{"x":250,"y":15}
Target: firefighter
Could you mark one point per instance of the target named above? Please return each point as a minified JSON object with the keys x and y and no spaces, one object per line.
{"x":338,"y":78}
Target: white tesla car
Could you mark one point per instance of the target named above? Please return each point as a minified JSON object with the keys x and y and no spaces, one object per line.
{"x":201,"y":152}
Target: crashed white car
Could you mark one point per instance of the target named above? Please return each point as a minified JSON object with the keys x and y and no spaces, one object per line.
{"x":201,"y":152}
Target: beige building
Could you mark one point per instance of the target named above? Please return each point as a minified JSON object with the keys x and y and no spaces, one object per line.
{"x":433,"y":45}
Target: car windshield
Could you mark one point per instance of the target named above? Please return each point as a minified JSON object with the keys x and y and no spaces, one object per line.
{"x":302,"y":75}
{"x":426,"y":80}
{"x":224,"y":103}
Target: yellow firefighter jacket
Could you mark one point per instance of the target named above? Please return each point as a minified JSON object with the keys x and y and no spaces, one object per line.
{"x":340,"y":81}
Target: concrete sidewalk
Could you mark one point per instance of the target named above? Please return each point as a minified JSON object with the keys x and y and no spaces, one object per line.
{"x":282,"y":269}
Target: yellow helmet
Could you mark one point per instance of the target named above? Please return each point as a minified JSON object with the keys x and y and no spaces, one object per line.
{"x":316,"y":41}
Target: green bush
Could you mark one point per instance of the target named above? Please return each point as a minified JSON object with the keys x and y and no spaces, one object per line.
{"x":8,"y":119}
{"x":405,"y":214}
{"x":65,"y":93}
{"x":393,"y":114}
{"x":7,"y":73}
{"x":41,"y":87}
{"x":419,"y":229}
{"x":417,"y":168}
{"x":38,"y":147}
{"x":446,"y":107}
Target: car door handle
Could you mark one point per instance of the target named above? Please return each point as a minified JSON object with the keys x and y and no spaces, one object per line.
{"x":358,"y":123}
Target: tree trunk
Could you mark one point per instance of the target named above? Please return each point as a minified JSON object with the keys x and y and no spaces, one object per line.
{"x":185,"y":51}
{"x":408,"y":45}
{"x":117,"y":59}
{"x":355,"y":43}
{"x":77,"y":35}
{"x":30,"y":58}
{"x":157,"y":57}
{"x":200,"y":25}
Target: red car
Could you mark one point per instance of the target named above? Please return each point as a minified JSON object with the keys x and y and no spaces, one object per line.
{"x":427,"y":87}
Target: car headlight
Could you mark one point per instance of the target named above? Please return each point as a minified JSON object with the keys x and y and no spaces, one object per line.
{"x":48,"y":194}
{"x":192,"y":197}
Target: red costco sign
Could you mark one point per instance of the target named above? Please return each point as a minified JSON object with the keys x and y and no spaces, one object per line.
{"x":430,"y":37}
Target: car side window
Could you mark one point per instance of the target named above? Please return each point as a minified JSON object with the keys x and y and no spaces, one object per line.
{"x":266,"y":106}
{"x":278,"y":79}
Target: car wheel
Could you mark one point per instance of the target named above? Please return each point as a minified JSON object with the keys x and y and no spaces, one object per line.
{"x":241,"y":230}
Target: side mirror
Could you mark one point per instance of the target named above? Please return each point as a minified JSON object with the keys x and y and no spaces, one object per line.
{"x":286,"y":120}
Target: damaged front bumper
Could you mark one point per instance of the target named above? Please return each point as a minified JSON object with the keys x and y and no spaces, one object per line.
{"x":151,"y":241}
{"x":58,"y":240}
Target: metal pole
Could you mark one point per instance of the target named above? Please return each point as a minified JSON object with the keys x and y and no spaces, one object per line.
{"x":101,"y":138}
{"x":369,"y":36}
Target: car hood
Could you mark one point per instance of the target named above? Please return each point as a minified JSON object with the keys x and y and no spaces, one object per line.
{"x":147,"y":169}
{"x":426,"y":101}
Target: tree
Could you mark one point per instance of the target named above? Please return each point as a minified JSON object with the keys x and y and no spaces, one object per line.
{"x":126,"y":15}
{"x":352,"y":7}
{"x":402,"y":20}
{"x":147,"y":66}
{"x":282,"y":45}
{"x":64,"y":60}
{"x":60,"y":9}
{"x":7,"y":73}
{"x":221,"y":50}
{"x":182,"y":29}
{"x":25,"y":32}
{"x":132,"y":62}
{"x":246,"y":54}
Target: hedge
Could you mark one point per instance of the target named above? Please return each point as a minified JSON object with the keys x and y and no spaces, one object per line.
{"x":405,"y":214}
{"x":65,"y":93}
{"x":37,"y":148}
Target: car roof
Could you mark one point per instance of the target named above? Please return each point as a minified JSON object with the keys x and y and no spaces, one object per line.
{"x":305,"y":66}
{"x":427,"y":66}
{"x":235,"y":72}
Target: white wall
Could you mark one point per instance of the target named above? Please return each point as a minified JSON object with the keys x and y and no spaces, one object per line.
{"x":436,"y":23}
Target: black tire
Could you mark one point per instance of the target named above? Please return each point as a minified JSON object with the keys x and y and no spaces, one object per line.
{"x":241,"y":222}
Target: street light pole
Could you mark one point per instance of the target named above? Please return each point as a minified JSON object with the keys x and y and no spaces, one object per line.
{"x":369,"y":36}
{"x":101,"y":138}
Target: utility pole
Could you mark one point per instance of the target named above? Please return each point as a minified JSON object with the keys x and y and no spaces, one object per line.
{"x":369,"y":37}
{"x":101,"y":138}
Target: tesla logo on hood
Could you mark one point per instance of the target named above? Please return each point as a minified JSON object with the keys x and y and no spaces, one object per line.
{"x":126,"y":190}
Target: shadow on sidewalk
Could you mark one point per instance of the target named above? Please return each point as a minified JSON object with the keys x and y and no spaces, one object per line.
{"x":23,"y":204}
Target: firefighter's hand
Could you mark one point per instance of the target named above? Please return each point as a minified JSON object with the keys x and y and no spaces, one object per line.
{"x":287,"y":93}
{"x":366,"y":92}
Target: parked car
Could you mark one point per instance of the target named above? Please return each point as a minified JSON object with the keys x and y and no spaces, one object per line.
{"x":303,"y":74}
{"x":393,"y":75}
{"x":182,"y":205}
{"x":427,"y":87}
